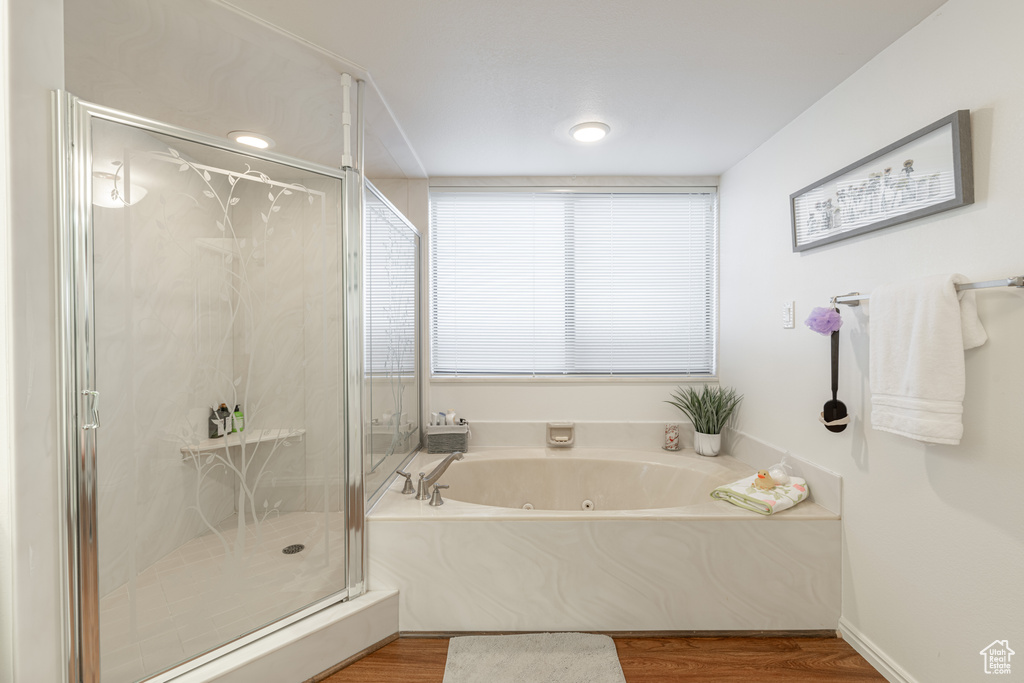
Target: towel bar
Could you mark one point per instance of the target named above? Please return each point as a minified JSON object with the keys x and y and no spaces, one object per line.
{"x":854,"y":298}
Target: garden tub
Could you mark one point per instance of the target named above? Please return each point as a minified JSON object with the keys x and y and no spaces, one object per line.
{"x":600,"y":540}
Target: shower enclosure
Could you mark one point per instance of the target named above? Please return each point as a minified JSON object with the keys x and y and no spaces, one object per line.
{"x":392,"y":388}
{"x":212,"y":375}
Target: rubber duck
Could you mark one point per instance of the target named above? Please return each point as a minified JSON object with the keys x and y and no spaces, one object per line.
{"x":763,"y":480}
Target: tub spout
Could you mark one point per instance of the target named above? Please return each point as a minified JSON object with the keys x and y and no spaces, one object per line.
{"x":426,"y":481}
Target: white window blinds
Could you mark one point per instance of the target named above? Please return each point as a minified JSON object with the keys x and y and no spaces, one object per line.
{"x":573,"y":283}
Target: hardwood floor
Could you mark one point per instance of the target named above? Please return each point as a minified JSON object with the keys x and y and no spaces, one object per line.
{"x":735,"y":660}
{"x":652,"y":660}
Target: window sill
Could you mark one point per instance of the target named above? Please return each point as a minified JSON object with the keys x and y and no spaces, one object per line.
{"x":574,"y":379}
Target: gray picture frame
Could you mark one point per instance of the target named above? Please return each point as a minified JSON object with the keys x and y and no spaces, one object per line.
{"x":866,"y":195}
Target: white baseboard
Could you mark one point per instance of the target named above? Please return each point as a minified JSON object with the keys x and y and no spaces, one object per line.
{"x":871,"y":652}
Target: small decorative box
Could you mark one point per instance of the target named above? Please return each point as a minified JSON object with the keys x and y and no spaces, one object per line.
{"x":448,"y":438}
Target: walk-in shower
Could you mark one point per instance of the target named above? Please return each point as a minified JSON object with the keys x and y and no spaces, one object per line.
{"x":392,"y":387}
{"x":212,"y":378}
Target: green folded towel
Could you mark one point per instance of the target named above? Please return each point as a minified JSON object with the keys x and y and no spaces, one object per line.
{"x":744,"y":494}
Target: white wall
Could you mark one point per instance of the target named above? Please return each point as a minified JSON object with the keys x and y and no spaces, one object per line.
{"x":33,"y":43}
{"x":934,"y":535}
{"x":201,"y":65}
{"x":410,"y":197}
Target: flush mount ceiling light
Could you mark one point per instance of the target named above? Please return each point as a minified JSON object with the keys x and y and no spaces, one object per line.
{"x":245,"y":137}
{"x":589,"y":132}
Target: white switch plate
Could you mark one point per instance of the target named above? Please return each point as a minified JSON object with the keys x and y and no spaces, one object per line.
{"x":787,"y":315}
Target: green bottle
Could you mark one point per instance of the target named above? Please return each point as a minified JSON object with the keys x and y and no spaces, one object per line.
{"x":238,"y":423}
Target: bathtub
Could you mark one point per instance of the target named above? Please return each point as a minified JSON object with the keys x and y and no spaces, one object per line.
{"x":593,"y":481}
{"x":600,"y":540}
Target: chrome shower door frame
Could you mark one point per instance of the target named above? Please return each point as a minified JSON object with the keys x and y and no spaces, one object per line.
{"x":79,"y":413}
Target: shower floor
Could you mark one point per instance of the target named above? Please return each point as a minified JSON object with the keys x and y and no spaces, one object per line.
{"x":200,"y":596}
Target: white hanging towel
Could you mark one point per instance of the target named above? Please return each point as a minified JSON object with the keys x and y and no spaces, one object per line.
{"x":919,"y":331}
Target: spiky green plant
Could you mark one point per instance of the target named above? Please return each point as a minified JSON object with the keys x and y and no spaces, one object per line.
{"x":708,"y":409}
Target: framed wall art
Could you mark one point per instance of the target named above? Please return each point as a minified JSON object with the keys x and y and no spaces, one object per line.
{"x":926,"y":172}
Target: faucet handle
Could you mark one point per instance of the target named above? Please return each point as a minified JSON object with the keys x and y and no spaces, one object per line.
{"x":408,"y":487}
{"x":435,"y":498}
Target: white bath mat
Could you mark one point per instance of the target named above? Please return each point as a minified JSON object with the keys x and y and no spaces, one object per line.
{"x":533,"y":658}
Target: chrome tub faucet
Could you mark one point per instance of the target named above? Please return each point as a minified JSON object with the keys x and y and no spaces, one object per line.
{"x":428,"y":480}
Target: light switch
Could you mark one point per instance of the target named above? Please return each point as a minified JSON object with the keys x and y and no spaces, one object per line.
{"x":787,"y":315}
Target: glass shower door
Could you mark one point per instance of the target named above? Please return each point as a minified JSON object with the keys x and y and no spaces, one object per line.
{"x":391,"y":387}
{"x":210,"y":328}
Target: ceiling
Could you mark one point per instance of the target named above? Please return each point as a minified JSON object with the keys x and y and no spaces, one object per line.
{"x":689,"y":87}
{"x":483,"y":87}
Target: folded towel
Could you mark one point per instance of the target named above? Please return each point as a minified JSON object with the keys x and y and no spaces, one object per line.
{"x":919,"y":331}
{"x":744,"y":494}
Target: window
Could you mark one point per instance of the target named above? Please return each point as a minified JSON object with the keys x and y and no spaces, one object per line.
{"x":593,"y":283}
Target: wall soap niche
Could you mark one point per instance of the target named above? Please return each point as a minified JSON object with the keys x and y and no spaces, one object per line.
{"x":561,"y":434}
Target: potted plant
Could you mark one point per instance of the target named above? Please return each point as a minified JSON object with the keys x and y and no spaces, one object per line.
{"x":708,"y":409}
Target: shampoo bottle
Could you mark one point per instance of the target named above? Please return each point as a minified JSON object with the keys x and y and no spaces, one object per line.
{"x":216,"y":425}
{"x":238,"y":420}
{"x":224,"y":415}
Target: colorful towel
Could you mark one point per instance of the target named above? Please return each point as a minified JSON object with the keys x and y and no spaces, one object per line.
{"x":744,"y":494}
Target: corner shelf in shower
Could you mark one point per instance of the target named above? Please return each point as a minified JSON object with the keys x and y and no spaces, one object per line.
{"x":252,"y":438}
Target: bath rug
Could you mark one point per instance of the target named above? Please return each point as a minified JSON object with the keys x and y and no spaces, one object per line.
{"x":533,"y":658}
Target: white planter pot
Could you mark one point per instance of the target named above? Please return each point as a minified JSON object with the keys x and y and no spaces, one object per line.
{"x":707,"y":444}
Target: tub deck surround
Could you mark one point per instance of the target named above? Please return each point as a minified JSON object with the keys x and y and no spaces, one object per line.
{"x":703,"y":565}
{"x":826,"y":486}
{"x":496,"y":483}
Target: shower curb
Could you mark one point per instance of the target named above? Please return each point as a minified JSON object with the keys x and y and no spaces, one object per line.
{"x":353,"y":659}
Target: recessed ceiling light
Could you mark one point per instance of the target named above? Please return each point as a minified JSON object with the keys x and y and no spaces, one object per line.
{"x":256,"y":140}
{"x":589,"y":132}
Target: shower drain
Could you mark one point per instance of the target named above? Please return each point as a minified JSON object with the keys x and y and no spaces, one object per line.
{"x":292,"y":549}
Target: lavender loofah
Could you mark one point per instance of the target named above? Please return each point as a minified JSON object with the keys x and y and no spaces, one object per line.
{"x":824,"y":320}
